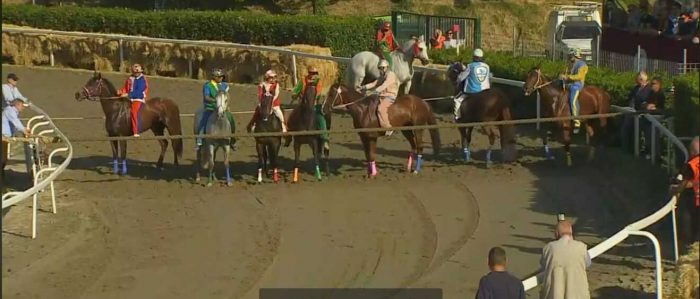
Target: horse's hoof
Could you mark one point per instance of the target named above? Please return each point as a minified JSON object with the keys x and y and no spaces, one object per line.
{"x":489,"y":164}
{"x":209,"y":184}
{"x":229,"y":183}
{"x":550,"y":157}
{"x":415,"y":172}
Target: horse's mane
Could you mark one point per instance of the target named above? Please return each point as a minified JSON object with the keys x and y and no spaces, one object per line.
{"x":110,"y":86}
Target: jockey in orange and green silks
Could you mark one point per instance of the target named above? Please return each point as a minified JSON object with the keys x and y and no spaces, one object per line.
{"x":386,"y":42}
{"x":313,"y":80}
{"x":576,"y":78}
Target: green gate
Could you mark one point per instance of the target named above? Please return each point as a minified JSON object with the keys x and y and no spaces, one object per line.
{"x":406,"y":24}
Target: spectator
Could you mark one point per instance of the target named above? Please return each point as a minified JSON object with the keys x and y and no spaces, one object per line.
{"x":654,"y":104}
{"x":10,"y":92}
{"x":438,"y":40}
{"x":687,"y":184}
{"x":637,"y":97}
{"x":634,"y":17}
{"x":564,"y":263}
{"x":450,"y":41}
{"x":13,"y":127}
{"x":499,"y":284}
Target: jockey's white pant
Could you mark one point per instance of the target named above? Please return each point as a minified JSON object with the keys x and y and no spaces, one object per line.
{"x":458,"y":103}
{"x":277,"y":110}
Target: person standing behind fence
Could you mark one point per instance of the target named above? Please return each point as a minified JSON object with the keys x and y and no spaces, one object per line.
{"x":438,"y":40}
{"x":687,"y":184}
{"x":564,"y":263}
{"x":10,"y":92}
{"x":13,"y":127}
{"x":136,"y":89}
{"x":499,"y":284}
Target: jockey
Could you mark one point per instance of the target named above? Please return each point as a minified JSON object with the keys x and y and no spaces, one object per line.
{"x":386,"y":43}
{"x":135,"y":89}
{"x":313,"y":80}
{"x":387,"y":87}
{"x":267,"y":88}
{"x":475,"y":78}
{"x":576,"y":77}
{"x":210,"y":89}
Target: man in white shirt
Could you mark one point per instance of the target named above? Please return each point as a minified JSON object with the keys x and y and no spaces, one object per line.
{"x":10,"y":92}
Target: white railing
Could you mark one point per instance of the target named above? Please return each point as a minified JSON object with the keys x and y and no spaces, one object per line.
{"x":529,"y":283}
{"x":42,"y":176}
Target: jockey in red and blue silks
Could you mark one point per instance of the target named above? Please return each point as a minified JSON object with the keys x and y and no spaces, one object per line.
{"x":136,"y":89}
{"x":576,"y":78}
{"x":210,"y":89}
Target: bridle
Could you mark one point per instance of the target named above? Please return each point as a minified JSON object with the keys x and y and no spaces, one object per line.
{"x":93,"y":95}
{"x":338,"y":91}
{"x":538,"y":83}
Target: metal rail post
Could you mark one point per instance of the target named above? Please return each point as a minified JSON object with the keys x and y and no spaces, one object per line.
{"x":538,"y":110}
{"x":657,"y":258}
{"x":636,"y":136}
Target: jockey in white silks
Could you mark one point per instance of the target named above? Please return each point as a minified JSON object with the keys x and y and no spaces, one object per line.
{"x":477,"y":75}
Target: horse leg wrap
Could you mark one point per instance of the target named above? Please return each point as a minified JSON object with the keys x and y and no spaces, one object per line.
{"x":115,"y":166}
{"x":228,"y":174}
{"x":275,"y":175}
{"x":296,"y":174}
{"x":259,"y":175}
{"x":419,"y":162}
{"x":124,"y":166}
{"x":318,"y":173}
{"x":467,"y":154}
{"x":488,"y":157}
{"x":547,"y":153}
{"x":373,"y":168}
{"x":409,"y":163}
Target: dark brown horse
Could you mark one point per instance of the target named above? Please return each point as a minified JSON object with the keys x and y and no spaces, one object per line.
{"x":488,"y":105}
{"x":407,"y":110}
{"x":555,"y":103}
{"x":157,"y":115}
{"x":303,"y":118}
{"x":268,"y":148}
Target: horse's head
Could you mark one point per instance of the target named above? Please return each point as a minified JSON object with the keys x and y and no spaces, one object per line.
{"x":266,"y":107}
{"x":454,"y":70}
{"x":340,"y":94}
{"x":309,"y":98}
{"x":417,"y":49}
{"x":533,"y":80}
{"x":221,"y":102}
{"x":95,"y":88}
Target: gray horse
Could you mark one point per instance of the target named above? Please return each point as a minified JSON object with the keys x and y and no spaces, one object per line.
{"x":363,"y":66}
{"x":218,"y":124}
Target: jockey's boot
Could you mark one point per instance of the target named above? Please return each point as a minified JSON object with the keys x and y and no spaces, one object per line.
{"x":388,"y":133}
{"x":287,"y":141}
{"x":326,"y":145}
{"x":577,"y":126}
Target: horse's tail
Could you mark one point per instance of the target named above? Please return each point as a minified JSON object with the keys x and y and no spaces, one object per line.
{"x":172,"y":122}
{"x":434,"y":133}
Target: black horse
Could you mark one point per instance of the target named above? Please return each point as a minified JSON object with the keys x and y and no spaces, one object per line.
{"x":303,"y":118}
{"x":268,"y":147}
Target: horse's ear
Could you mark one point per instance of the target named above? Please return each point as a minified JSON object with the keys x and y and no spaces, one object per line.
{"x":539,"y":65}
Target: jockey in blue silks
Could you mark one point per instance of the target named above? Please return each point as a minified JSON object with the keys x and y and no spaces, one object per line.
{"x":476,"y":77}
{"x":575,"y":78}
{"x":211,"y":88}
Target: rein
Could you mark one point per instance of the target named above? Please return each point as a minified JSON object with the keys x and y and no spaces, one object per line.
{"x":89,"y":96}
{"x":539,"y":79}
{"x":337,"y":96}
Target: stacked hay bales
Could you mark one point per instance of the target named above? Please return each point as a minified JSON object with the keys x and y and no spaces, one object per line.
{"x":685,"y":282}
{"x":164,"y":59}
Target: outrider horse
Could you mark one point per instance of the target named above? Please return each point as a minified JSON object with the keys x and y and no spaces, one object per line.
{"x":303,"y":118}
{"x":407,"y":110}
{"x":157,"y":115}
{"x":219,"y":123}
{"x":486,"y":106}
{"x":268,"y":147}
{"x":555,"y":103}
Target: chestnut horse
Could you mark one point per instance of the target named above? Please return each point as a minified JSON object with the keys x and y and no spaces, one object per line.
{"x":407,"y":110}
{"x":555,"y":103}
{"x":157,"y":115}
{"x":488,"y":105}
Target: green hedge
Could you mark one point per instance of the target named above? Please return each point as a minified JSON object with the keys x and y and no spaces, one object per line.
{"x":344,"y":35}
{"x":685,"y":105}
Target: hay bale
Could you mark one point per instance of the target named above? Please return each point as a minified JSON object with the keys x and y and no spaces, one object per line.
{"x":23,"y":50}
{"x":685,"y":282}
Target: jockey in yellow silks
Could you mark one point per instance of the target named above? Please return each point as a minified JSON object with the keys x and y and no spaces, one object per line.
{"x":575,"y":78}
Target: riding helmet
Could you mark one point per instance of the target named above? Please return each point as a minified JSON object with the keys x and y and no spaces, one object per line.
{"x":217,"y":72}
{"x":478,"y":53}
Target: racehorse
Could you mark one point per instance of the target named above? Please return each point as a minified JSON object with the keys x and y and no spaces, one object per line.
{"x":489,"y":105}
{"x":555,"y":102}
{"x":268,"y":147}
{"x":217,"y":124}
{"x":157,"y":115}
{"x":303,"y":118}
{"x":363,"y":66}
{"x":407,"y":110}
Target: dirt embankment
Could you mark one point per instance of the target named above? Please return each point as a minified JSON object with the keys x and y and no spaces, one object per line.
{"x":163,"y":59}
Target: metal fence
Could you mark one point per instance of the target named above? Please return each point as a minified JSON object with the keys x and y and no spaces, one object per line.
{"x":634,"y":63}
{"x":43,"y":175}
{"x":408,"y":24}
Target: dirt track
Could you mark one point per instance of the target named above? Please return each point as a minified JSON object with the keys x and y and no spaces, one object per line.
{"x":155,"y":234}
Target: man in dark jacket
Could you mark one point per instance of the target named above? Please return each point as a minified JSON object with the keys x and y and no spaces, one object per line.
{"x":499,"y":284}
